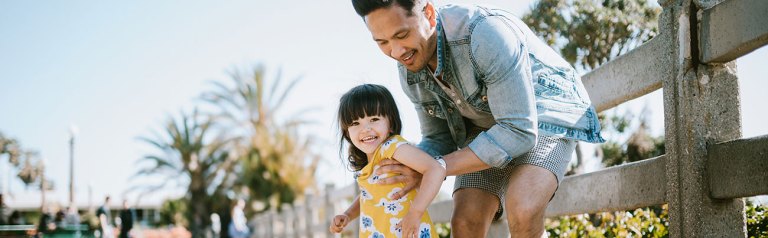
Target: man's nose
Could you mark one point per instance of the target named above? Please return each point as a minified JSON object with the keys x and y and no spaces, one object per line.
{"x":398,"y":51}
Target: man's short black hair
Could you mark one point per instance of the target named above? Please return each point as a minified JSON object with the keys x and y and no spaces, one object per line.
{"x":364,"y":7}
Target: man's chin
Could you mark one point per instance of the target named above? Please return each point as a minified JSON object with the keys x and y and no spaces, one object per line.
{"x":414,"y":68}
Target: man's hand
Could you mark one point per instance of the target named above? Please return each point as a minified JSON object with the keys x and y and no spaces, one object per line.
{"x":403,"y":174}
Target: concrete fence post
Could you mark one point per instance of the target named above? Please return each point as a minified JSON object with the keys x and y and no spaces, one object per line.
{"x":329,"y":209}
{"x":701,"y":108}
{"x":309,"y":216}
{"x":270,"y":224}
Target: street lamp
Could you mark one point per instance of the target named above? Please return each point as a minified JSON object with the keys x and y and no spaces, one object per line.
{"x":72,"y":133}
{"x":42,"y":165}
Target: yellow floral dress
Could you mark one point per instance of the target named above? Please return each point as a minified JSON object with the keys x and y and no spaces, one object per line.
{"x":379,"y":213}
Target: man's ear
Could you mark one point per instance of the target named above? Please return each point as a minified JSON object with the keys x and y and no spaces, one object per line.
{"x":431,"y":14}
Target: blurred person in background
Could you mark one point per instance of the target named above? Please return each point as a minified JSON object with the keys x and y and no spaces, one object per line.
{"x":105,"y":217}
{"x":127,"y":216}
{"x":238,"y":227}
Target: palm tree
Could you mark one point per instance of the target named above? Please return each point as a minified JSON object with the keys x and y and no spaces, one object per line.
{"x":190,"y":153}
{"x":27,"y":162}
{"x":275,"y":161}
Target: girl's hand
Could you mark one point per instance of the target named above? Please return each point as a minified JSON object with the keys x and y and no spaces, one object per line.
{"x":339,"y":222}
{"x":410,"y":225}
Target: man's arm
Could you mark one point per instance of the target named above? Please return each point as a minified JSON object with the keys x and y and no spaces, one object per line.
{"x":502,"y":58}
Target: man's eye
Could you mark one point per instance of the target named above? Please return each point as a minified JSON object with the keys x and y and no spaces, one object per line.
{"x":402,"y":36}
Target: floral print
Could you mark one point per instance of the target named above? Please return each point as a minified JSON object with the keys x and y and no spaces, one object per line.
{"x":364,"y":194}
{"x":393,"y":229}
{"x":376,"y":204}
{"x":390,"y":206}
{"x":366,"y":223}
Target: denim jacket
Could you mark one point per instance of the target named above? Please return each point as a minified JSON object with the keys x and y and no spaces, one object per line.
{"x":502,"y":68}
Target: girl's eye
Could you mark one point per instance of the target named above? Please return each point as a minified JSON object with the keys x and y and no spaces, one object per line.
{"x":375,"y":119}
{"x":354,"y":123}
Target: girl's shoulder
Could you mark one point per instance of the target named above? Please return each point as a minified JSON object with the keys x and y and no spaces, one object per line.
{"x":391,"y":144}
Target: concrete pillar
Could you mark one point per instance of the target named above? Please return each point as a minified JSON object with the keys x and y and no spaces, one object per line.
{"x":309,"y":216}
{"x":330,"y":209}
{"x":701,"y":108}
{"x":270,"y":223}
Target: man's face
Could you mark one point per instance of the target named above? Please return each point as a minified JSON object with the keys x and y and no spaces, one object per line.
{"x":411,"y":40}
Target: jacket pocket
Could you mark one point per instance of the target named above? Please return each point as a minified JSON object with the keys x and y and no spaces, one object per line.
{"x":433,"y":109}
{"x":479,"y":100}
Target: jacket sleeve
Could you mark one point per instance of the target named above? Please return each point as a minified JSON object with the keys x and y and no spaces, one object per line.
{"x":500,"y":58}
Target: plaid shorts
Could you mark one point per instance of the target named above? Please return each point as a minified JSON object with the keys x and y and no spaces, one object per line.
{"x":551,"y":153}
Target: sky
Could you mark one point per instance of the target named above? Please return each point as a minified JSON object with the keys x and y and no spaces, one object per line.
{"x":118,"y":70}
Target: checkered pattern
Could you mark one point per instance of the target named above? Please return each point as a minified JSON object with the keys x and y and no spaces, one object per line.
{"x":551,"y":153}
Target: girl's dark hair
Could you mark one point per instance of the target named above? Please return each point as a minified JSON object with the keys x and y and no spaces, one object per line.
{"x":363,"y":7}
{"x":361,"y":101}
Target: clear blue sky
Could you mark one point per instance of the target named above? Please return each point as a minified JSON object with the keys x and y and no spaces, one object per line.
{"x":118,"y":69}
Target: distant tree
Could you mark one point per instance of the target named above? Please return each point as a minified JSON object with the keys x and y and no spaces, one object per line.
{"x":276,"y":164}
{"x":638,"y":146}
{"x":193,"y":156}
{"x":589,"y":33}
{"x":173,"y":212}
{"x":27,"y":162}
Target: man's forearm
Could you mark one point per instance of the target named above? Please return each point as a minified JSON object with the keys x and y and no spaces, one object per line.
{"x":462,"y":162}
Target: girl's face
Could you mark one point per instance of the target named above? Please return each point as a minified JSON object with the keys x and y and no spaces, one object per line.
{"x":368,"y":132}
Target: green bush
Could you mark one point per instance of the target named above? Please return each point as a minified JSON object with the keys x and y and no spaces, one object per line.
{"x":642,"y":222}
{"x":757,"y":219}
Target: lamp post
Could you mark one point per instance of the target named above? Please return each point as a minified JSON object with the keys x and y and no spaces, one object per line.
{"x":42,"y":186}
{"x":72,"y":133}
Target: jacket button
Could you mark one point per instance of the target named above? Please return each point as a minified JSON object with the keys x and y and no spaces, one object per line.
{"x":431,"y":112}
{"x":450,"y":110}
{"x":485,"y":98}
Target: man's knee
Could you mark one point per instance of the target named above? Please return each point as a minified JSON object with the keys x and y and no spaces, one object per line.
{"x":473,"y":209}
{"x":525,"y":213}
{"x":527,"y":197}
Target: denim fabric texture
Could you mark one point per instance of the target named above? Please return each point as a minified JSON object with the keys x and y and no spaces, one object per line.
{"x":501,"y":67}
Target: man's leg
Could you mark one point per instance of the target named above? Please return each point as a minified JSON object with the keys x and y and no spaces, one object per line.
{"x":473,"y":211}
{"x":529,"y":191}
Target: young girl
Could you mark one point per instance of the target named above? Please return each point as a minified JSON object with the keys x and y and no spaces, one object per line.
{"x":370,"y":123}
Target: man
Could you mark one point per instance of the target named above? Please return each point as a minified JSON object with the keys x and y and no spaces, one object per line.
{"x":105,"y":218}
{"x":72,"y":218}
{"x":501,"y":106}
{"x":5,"y":212}
{"x":127,"y":216}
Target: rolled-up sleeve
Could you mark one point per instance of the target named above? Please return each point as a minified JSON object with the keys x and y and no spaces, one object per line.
{"x":501,"y":59}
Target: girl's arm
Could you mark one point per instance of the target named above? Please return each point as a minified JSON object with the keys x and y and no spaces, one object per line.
{"x":353,"y":211}
{"x":342,"y":220}
{"x":433,"y":174}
